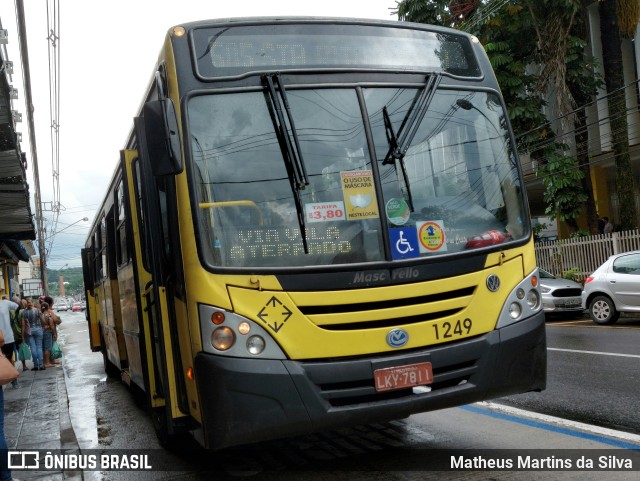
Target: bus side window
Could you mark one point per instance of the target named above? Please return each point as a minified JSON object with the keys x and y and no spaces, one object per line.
{"x":122,"y":255}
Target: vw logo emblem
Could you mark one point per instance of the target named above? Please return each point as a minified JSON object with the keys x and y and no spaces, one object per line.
{"x":493,"y":283}
{"x":397,"y":337}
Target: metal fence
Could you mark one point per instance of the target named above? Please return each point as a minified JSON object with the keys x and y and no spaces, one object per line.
{"x":583,"y":255}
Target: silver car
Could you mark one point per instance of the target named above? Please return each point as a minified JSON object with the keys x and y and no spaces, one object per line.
{"x":614,"y":287}
{"x":560,"y":295}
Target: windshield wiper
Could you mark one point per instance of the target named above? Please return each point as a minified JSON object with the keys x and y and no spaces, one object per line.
{"x":400,"y":143}
{"x":289,"y":144}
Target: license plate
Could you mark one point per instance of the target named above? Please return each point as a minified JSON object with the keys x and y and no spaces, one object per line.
{"x":401,"y":377}
{"x":573,"y":302}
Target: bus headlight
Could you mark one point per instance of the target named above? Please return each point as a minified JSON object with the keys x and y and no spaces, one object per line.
{"x":523,"y":301}
{"x":515,"y":310}
{"x":255,"y":345}
{"x":226,"y":333}
{"x":533,"y":298}
{"x":223,"y":338}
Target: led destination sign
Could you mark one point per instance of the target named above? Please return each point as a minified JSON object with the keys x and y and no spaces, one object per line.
{"x":285,"y":241}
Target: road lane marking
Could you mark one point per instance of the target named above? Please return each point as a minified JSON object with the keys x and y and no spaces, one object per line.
{"x":593,"y":352}
{"x":588,"y":325}
{"x":620,"y":439}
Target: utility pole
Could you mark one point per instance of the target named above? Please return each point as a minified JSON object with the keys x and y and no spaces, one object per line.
{"x":24,"y":53}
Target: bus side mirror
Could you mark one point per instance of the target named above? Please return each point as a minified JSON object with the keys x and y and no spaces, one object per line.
{"x":163,"y":138}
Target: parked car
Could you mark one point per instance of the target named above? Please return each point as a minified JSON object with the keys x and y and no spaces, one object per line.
{"x":77,"y":307}
{"x":560,"y":296}
{"x":614,"y":287}
{"x":61,"y":307}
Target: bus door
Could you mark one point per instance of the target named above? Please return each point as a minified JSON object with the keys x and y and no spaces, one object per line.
{"x":128,"y":302}
{"x":114,"y":352}
{"x":91,"y":311}
{"x":151,"y":373}
{"x":162,"y":256}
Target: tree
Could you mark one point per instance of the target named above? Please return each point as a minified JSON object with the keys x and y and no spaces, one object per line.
{"x":566,"y":71}
{"x":509,"y":39}
{"x":611,"y":37}
{"x":563,"y":193}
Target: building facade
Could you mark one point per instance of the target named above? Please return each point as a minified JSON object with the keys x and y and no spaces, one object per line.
{"x":601,"y":155}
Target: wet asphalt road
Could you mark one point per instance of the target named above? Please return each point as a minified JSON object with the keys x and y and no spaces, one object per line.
{"x":588,"y":388}
{"x":593,"y":374}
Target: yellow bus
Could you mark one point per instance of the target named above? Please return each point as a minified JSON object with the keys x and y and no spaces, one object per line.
{"x":315,"y":223}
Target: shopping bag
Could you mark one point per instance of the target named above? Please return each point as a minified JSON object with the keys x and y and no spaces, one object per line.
{"x":8,"y":372}
{"x":56,"y":352}
{"x":24,"y":353}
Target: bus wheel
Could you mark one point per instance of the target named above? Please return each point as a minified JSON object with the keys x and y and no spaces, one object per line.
{"x":167,"y":440}
{"x":111,"y":369}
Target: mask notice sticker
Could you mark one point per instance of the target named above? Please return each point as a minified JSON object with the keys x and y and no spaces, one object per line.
{"x":359,"y":194}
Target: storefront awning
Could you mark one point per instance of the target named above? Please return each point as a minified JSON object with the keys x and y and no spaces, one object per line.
{"x":16,"y":221}
{"x":13,"y":251}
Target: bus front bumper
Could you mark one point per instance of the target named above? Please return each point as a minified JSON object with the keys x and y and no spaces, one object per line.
{"x":250,"y":400}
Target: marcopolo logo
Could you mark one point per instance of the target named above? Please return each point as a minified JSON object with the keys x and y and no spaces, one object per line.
{"x":397,"y":337}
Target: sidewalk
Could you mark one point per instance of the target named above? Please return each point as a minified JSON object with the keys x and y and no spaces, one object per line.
{"x":36,"y":416}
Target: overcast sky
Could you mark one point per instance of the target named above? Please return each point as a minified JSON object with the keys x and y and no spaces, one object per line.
{"x":108,"y":51}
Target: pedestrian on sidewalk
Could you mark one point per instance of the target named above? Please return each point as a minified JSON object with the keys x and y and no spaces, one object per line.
{"x":5,"y":474}
{"x":32,"y":316}
{"x":6,"y":306}
{"x":49,"y":333}
{"x":16,"y":326}
{"x":57,"y":321}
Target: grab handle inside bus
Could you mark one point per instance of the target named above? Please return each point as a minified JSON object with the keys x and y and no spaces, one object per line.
{"x":163,"y":138}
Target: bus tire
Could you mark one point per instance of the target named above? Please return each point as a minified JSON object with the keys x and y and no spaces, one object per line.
{"x":110,"y":369}
{"x":170,"y":441}
{"x":603,"y":311}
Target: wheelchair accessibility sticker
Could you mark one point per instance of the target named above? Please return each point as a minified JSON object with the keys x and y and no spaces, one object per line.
{"x":431,"y":237}
{"x":404,"y":243}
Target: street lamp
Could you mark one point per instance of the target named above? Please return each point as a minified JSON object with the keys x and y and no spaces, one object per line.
{"x":84,"y":219}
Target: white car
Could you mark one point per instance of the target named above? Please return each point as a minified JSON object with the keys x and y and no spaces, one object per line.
{"x":614,"y":287}
{"x":62,"y":307}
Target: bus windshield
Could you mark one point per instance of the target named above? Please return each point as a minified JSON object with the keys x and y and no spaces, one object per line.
{"x":454,"y":188}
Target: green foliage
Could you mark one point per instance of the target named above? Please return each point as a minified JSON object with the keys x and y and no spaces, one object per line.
{"x":537,"y":230}
{"x":572,"y":274}
{"x":420,"y":11}
{"x":580,"y":233}
{"x":561,"y":178}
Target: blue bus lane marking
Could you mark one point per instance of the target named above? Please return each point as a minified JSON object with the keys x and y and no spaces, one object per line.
{"x":549,"y":427}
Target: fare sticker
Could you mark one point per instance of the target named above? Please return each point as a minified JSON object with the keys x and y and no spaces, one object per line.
{"x":431,"y":237}
{"x":359,"y":194}
{"x":324,"y":211}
